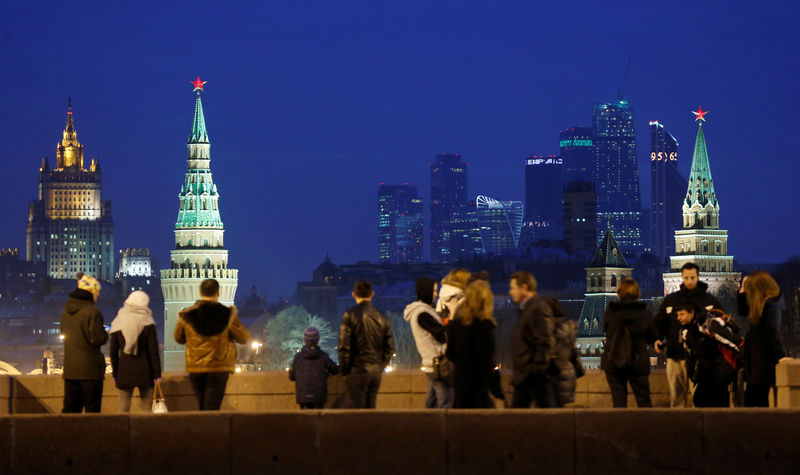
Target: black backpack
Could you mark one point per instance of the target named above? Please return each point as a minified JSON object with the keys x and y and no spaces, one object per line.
{"x":619,"y":348}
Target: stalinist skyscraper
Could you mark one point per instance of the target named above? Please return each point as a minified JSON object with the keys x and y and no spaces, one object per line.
{"x":70,"y":228}
{"x":701,"y":240}
{"x":199,"y":252}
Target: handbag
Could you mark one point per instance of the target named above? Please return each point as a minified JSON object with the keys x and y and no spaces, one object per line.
{"x":442,"y":369}
{"x":159,"y":403}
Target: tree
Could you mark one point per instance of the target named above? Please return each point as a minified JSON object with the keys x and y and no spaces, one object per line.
{"x":405,"y":348}
{"x":284,"y":336}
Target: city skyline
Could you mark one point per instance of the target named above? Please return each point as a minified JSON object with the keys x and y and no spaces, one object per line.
{"x":323,"y":142}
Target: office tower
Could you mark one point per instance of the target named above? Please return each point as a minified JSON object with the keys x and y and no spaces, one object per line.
{"x":70,"y":228}
{"x":500,"y":224}
{"x":580,"y":217}
{"x":577,"y":154}
{"x":462,"y":236}
{"x":617,"y":174}
{"x":400,"y":224}
{"x":543,"y":187}
{"x":667,"y":187}
{"x":448,"y":199}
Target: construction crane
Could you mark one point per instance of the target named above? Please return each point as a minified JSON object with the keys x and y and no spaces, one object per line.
{"x":621,"y":89}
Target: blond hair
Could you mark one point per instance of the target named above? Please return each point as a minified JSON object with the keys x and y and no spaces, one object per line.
{"x":759,"y":288}
{"x":457,"y":277}
{"x":478,"y":303}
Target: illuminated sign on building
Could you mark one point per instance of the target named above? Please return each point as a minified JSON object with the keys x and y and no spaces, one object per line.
{"x":576,"y":143}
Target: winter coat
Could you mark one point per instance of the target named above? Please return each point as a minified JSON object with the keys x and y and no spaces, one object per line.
{"x":140,"y":370}
{"x":763,"y":345}
{"x":84,"y":334}
{"x":209,"y":330}
{"x":310,"y":369}
{"x":429,"y":345}
{"x":533,"y":340}
{"x":567,"y":362}
{"x":471,"y":349}
{"x":666,"y":320}
{"x":365,"y":340}
{"x":635,"y":317}
{"x":702,"y":337}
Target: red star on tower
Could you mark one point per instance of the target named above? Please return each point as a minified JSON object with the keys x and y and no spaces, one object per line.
{"x":699,"y":114}
{"x":198,"y":84}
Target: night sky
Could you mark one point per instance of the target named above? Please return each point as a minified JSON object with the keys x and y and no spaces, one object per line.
{"x":309,"y":105}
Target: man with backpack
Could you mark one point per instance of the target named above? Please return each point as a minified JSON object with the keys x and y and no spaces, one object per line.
{"x":532,"y":345}
{"x":695,"y":291}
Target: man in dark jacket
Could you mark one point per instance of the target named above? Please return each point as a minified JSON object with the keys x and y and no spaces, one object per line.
{"x":84,"y":333}
{"x":365,"y":348}
{"x":532,"y":345}
{"x":668,"y":328}
{"x":310,"y":369}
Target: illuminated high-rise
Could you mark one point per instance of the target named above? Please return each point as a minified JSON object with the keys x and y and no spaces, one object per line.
{"x":577,"y":154}
{"x":448,"y":199}
{"x":70,"y":228}
{"x":667,"y":186}
{"x":400,"y":224}
{"x":199,"y":252}
{"x":500,"y":224}
{"x":543,"y":209}
{"x":616,"y":172}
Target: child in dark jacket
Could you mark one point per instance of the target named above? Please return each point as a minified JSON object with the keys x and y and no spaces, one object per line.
{"x":310,"y":370}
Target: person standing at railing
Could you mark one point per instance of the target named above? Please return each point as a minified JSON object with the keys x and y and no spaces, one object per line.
{"x":209,"y":330}
{"x":761,"y":300}
{"x":84,"y":334}
{"x":134,"y":352}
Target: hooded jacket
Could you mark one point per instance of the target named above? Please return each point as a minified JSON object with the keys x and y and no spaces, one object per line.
{"x":763,"y":346}
{"x":209,"y":330}
{"x":310,"y":369}
{"x":428,"y":345}
{"x":636,"y":317}
{"x":84,"y":335}
{"x":666,"y":320}
{"x":448,"y":291}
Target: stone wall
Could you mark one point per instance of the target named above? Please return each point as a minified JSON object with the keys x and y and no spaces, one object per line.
{"x":574,"y":441}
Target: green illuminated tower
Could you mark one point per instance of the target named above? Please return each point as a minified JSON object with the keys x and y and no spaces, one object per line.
{"x":701,"y":240}
{"x":199,"y":252}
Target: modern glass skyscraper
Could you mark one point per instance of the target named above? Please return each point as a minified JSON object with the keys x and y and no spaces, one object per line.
{"x":400,"y":224}
{"x":462,"y":236}
{"x":577,"y":154}
{"x":500,"y":223}
{"x":543,"y":187}
{"x":616,"y":170}
{"x":667,"y":187}
{"x":448,"y":199}
{"x":580,"y":217}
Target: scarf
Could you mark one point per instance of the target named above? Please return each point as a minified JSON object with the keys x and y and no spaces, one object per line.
{"x":131,"y":320}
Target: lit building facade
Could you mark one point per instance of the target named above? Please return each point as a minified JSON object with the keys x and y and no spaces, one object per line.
{"x":199,"y":252}
{"x":462,"y":237}
{"x":400,"y":225}
{"x":667,"y":187}
{"x":543,"y":209}
{"x":500,"y":224}
{"x":701,"y":241}
{"x":448,"y":199}
{"x":70,"y":228}
{"x":616,"y":173}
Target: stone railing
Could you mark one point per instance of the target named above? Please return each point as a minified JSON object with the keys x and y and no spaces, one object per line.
{"x":199,"y":273}
{"x":272,"y":391}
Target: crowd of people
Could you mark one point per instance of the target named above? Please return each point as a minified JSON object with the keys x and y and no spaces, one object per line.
{"x":453,"y":327}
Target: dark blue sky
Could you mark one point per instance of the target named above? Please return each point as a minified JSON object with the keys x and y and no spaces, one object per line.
{"x":309,"y":105}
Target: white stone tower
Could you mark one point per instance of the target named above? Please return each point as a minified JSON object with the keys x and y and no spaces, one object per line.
{"x":199,"y":252}
{"x":701,"y":240}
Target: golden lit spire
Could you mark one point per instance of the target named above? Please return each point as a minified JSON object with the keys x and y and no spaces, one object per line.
{"x":70,"y":151}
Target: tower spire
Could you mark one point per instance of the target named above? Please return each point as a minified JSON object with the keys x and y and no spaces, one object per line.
{"x":199,"y":134}
{"x":701,"y":185}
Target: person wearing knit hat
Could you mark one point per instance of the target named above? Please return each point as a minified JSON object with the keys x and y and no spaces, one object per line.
{"x":134,"y":351}
{"x":310,"y":370}
{"x":83,"y":331}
